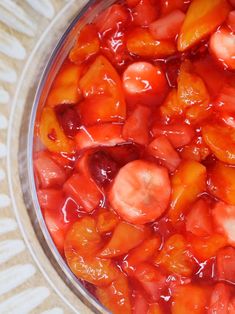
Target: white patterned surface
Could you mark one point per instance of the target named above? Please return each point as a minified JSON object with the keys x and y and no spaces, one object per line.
{"x":24,"y":284}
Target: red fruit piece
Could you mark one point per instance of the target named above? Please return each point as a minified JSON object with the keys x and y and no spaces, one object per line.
{"x":202,"y":18}
{"x":69,"y":120}
{"x":226,"y":99}
{"x":224,"y":218}
{"x":50,"y":199}
{"x":168,"y":26}
{"x":145,"y":12}
{"x":113,"y":18}
{"x":87,"y":45}
{"x":140,"y":304}
{"x":190,"y":299}
{"x":221,"y":183}
{"x":116,"y":297}
{"x":101,"y":78}
{"x":140,"y":42}
{"x":83,"y":190}
{"x":151,"y":280}
{"x":48,"y":172}
{"x":136,"y":127}
{"x":144,"y":83}
{"x":81,"y":244}
{"x":231,"y":20}
{"x":143,"y":253}
{"x":65,"y":88}
{"x":196,"y":150}
{"x":125,"y":153}
{"x":153,"y":186}
{"x":175,"y":257}
{"x":219,"y":301}
{"x":188,"y":182}
{"x":198,"y":220}
{"x":204,"y":248}
{"x":222,"y":46}
{"x":161,"y":148}
{"x":231,"y":306}
{"x":169,"y":6}
{"x":155,"y":308}
{"x":107,"y":134}
{"x":225,"y":261}
{"x":102,"y":167}
{"x":124,"y":238}
{"x":220,"y":139}
{"x":179,"y":134}
{"x":52,"y":134}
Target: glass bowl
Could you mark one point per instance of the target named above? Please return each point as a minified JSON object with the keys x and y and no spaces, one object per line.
{"x":36,"y":80}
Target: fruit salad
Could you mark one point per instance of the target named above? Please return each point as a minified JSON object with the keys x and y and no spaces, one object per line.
{"x":135,"y":170}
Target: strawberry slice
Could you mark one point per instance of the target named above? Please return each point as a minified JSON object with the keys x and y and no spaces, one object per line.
{"x":179,"y":134}
{"x":222,"y":46}
{"x":50,"y":199}
{"x":140,"y":304}
{"x":175,"y":257}
{"x":151,"y":279}
{"x":225,"y":261}
{"x":142,"y":253}
{"x":84,"y":191}
{"x":144,"y":12}
{"x":153,"y":186}
{"x":169,"y":6}
{"x":219,"y":301}
{"x":144,"y":83}
{"x":198,"y":221}
{"x":221,"y":182}
{"x":107,"y":134}
{"x":136,"y":127}
{"x":220,"y":139}
{"x":196,"y":150}
{"x":224,"y":218}
{"x":190,"y":298}
{"x":202,"y":18}
{"x":188,"y":182}
{"x":168,"y":26}
{"x":65,"y":88}
{"x":140,"y":42}
{"x":124,"y":238}
{"x":87,"y":45}
{"x":117,"y":296}
{"x":231,"y":20}
{"x":49,"y":174}
{"x":226,"y":99}
{"x":162,"y":149}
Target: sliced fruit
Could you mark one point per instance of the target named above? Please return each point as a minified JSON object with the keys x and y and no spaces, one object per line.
{"x":87,"y":45}
{"x":48,"y":172}
{"x":202,"y":18}
{"x":153,"y":186}
{"x":98,"y":109}
{"x":68,"y":119}
{"x":188,"y":182}
{"x":140,"y":304}
{"x":65,"y":88}
{"x":162,"y":149}
{"x":222,"y":46}
{"x":168,"y":26}
{"x":151,"y":279}
{"x":116,"y":297}
{"x":136,"y":127}
{"x":106,"y":221}
{"x":101,"y":78}
{"x":226,"y":99}
{"x":231,"y":21}
{"x":221,"y":183}
{"x":204,"y":248}
{"x":219,"y":301}
{"x":191,"y":88}
{"x":144,"y":83}
{"x":190,"y":299}
{"x":124,"y":238}
{"x":155,"y":308}
{"x":49,"y":199}
{"x":225,"y":262}
{"x":169,"y":6}
{"x":141,"y":43}
{"x":84,"y":191}
{"x":171,"y":107}
{"x":52,"y":134}
{"x":220,"y":139}
{"x":145,"y":12}
{"x":175,"y":257}
{"x":224,"y":218}
{"x":107,"y":134}
{"x":141,"y":253}
{"x":196,"y":150}
{"x":198,"y":220}
{"x":179,"y":134}
{"x":111,"y":19}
